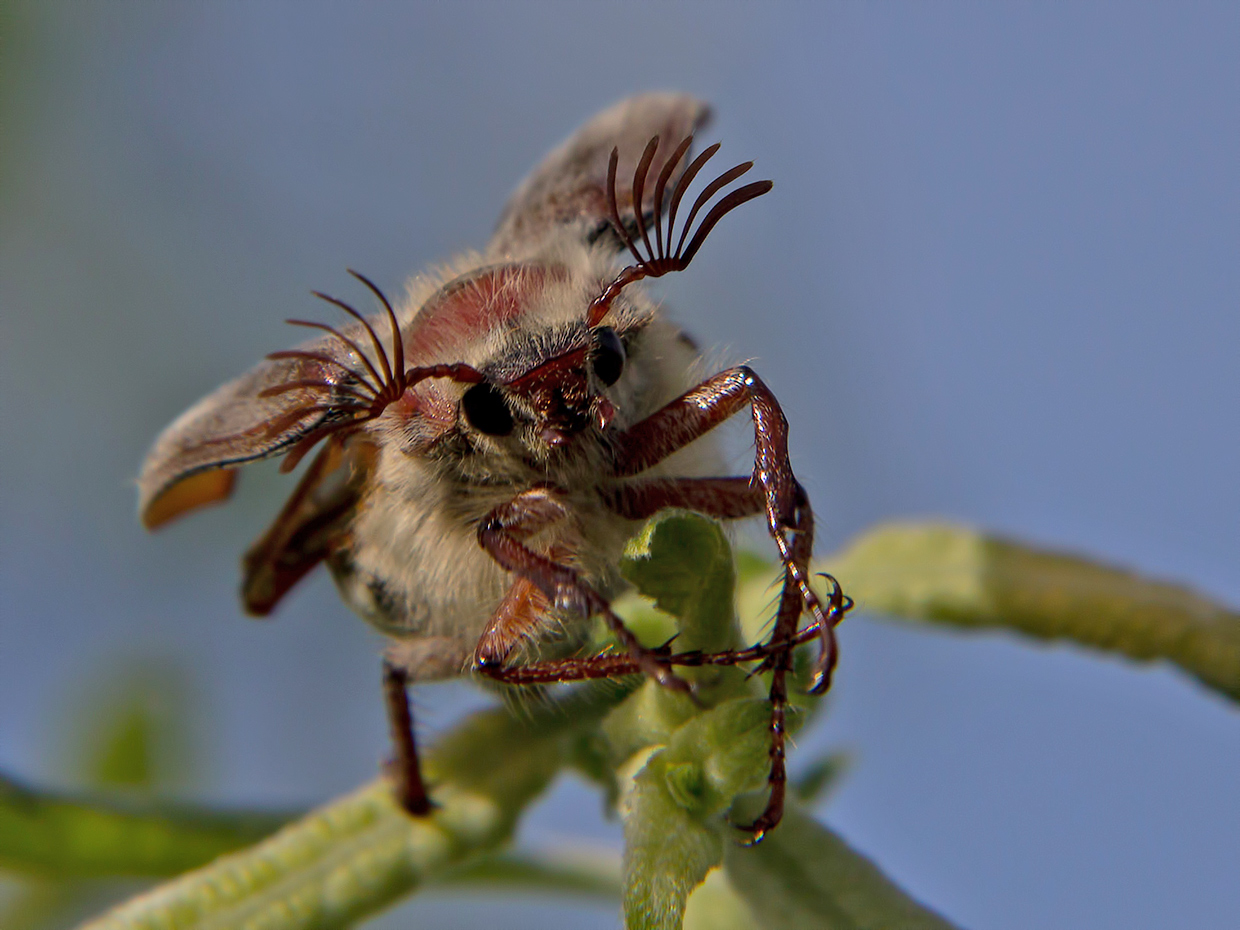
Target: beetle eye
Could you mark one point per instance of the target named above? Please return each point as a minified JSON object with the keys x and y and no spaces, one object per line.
{"x":608,"y":355}
{"x":486,"y":409}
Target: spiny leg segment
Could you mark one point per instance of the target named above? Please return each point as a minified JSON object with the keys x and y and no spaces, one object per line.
{"x":787,"y":511}
{"x":700,"y":410}
{"x":501,"y":534}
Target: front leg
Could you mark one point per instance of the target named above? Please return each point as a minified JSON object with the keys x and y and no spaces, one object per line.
{"x":614,"y":665}
{"x":787,"y":510}
{"x":700,"y":410}
{"x":725,"y":498}
{"x":501,"y":534}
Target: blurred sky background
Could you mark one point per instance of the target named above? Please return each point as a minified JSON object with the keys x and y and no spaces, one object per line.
{"x":998,"y":280}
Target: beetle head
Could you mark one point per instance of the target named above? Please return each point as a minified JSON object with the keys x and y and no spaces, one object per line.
{"x":559,"y":393}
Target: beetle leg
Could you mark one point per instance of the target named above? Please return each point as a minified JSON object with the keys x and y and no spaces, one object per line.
{"x":519,"y":616}
{"x":726,"y":498}
{"x":700,"y":410}
{"x":787,"y":510}
{"x":614,"y":664}
{"x":737,"y":497}
{"x":501,"y":533}
{"x":410,"y":788}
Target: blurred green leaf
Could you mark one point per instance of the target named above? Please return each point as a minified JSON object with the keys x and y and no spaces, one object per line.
{"x":804,"y":877}
{"x":757,"y":594}
{"x":336,"y":865}
{"x":67,"y":837}
{"x":817,"y":778}
{"x":51,"y":904}
{"x":128,"y":729}
{"x":127,"y":756}
{"x":958,"y":577}
{"x":648,"y":718}
{"x":132,"y":727}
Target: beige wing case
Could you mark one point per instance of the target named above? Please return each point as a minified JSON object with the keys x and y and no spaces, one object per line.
{"x":193,"y":461}
{"x":569,"y":186}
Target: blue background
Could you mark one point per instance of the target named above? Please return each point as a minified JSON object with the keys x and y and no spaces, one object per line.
{"x":998,"y":280}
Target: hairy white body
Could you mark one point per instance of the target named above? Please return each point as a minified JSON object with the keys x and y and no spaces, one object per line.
{"x":413,"y":566}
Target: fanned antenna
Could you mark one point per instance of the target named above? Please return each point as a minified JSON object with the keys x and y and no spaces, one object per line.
{"x":657,"y":258}
{"x":360,"y":394}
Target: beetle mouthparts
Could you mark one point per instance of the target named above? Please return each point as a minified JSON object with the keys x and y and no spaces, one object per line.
{"x":553,"y":437}
{"x":604,"y":413}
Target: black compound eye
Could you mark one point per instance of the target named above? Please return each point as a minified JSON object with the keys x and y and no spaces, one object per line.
{"x":486,"y":409}
{"x":608,"y":355}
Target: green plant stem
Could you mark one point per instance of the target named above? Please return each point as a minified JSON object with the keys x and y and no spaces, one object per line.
{"x":361,"y":852}
{"x":339,"y":863}
{"x":944,"y":574}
